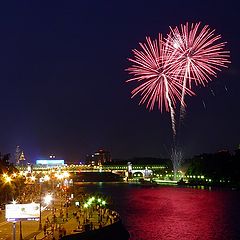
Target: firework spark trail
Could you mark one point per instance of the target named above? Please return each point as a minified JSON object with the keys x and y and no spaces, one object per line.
{"x":172,"y":113}
{"x":226,"y":88}
{"x":182,"y":107}
{"x":177,"y":159}
{"x":204,"y":105}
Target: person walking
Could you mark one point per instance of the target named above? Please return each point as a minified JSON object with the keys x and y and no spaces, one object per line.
{"x":45,"y":229}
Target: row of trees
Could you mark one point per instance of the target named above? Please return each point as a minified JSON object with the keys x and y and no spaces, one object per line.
{"x":9,"y":187}
{"x":220,"y":167}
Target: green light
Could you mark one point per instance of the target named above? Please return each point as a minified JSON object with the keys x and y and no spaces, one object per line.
{"x":103,"y":202}
{"x":99,"y":200}
{"x":85,"y":205}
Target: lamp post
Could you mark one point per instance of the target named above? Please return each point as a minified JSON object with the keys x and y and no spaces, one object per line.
{"x":40,"y":215}
{"x":14,"y":230}
{"x":7,"y":180}
{"x":20,"y":226}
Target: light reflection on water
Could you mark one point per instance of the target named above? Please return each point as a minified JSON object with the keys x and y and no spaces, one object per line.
{"x":155,"y":213}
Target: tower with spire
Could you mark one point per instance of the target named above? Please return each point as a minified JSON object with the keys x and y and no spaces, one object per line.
{"x":19,"y":156}
{"x":22,"y":157}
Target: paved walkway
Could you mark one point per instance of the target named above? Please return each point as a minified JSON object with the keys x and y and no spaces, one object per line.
{"x":59,"y":222}
{"x":68,"y":221}
{"x":78,"y":221}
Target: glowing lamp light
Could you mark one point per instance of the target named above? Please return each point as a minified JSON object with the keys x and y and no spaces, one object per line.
{"x":47,"y":199}
{"x":65,"y":174}
{"x":59,"y":176}
{"x":46,"y":178}
{"x":33,"y":178}
{"x":8,"y":179}
{"x":85,"y":205}
{"x":5,"y":175}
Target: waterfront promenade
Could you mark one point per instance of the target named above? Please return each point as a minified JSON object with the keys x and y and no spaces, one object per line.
{"x":60,"y":222}
{"x":76,"y":220}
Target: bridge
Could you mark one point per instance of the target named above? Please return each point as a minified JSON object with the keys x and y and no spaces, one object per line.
{"x":125,"y":170}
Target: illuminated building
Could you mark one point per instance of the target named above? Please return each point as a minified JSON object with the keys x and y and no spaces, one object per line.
{"x":99,"y":158}
{"x":50,"y":162}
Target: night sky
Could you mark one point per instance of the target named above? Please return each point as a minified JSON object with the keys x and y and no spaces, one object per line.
{"x":62,"y":79}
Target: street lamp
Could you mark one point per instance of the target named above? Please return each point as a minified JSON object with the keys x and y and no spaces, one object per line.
{"x":46,"y":178}
{"x":47,"y":199}
{"x":8,"y":179}
{"x":40,"y":215}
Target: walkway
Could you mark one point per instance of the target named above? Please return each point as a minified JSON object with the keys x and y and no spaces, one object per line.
{"x":77,"y":221}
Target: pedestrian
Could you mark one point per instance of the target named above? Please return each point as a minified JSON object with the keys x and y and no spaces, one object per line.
{"x":64,"y":232}
{"x":60,"y":236}
{"x":45,"y":229}
{"x":54,"y":218}
{"x":91,"y":225}
{"x":52,"y":228}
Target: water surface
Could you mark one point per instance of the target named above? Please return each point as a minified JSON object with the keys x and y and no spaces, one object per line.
{"x":155,"y":213}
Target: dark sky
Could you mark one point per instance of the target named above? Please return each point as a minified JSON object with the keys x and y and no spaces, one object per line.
{"x":63,"y":87}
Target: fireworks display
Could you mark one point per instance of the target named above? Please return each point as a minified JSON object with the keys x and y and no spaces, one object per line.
{"x":166,"y":68}
{"x":198,"y":54}
{"x":159,"y":82}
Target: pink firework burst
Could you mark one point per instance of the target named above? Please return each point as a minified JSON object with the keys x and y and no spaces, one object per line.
{"x":158,"y":78}
{"x":198,"y":54}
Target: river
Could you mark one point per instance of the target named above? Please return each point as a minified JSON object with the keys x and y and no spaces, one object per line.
{"x":171,"y":212}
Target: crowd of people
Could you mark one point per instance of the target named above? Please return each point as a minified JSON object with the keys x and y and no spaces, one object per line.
{"x":94,"y":217}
